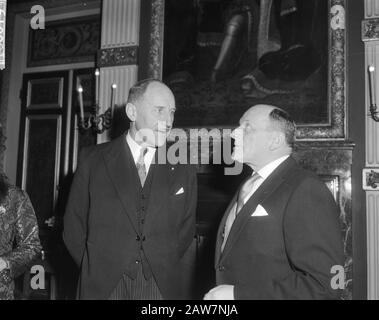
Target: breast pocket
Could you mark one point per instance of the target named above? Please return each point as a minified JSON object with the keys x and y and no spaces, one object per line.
{"x":177,"y":199}
{"x":177,"y":203}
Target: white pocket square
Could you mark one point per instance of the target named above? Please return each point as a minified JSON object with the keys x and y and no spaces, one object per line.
{"x":259,"y":212}
{"x":180,"y":191}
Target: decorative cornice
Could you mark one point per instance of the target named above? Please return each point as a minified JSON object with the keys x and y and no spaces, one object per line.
{"x":47,"y":4}
{"x":120,"y":56}
{"x":370,"y":30}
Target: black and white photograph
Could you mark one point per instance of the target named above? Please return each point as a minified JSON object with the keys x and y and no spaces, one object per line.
{"x":199,"y":153}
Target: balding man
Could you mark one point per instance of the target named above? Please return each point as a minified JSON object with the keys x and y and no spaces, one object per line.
{"x":280,"y":236}
{"x":130,"y":219}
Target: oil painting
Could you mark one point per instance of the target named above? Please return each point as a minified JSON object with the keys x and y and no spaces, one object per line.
{"x":222,"y":56}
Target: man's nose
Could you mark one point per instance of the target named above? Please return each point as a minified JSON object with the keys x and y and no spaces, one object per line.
{"x":233,"y":134}
{"x":169,"y":120}
{"x":237,"y":133}
{"x":164,"y":125}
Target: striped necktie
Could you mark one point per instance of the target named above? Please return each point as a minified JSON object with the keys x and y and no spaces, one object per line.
{"x":141,"y":167}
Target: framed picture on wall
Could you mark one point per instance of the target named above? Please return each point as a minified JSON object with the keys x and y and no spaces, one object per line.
{"x":222,"y":56}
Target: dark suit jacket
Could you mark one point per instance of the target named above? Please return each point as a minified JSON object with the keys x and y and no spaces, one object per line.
{"x":289,"y":253}
{"x":101,"y":227}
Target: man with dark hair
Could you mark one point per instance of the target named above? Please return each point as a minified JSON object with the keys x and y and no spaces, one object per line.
{"x":280,"y":236}
{"x":130,"y":220}
{"x":285,"y":123}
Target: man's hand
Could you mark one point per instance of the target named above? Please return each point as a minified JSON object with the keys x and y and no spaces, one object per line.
{"x":223,"y":292}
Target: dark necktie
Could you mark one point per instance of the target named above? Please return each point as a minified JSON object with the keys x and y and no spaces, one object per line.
{"x":141,"y":167}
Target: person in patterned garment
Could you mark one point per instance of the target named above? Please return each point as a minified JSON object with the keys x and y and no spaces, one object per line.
{"x":19,"y":240}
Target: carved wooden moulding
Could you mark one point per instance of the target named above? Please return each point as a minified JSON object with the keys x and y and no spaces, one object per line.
{"x":120,"y":56}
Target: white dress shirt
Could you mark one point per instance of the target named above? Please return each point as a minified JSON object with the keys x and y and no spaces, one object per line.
{"x":264,"y":173}
{"x":135,"y":148}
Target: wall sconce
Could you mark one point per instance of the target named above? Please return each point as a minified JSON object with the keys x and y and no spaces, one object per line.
{"x":371,"y":80}
{"x":98,"y":122}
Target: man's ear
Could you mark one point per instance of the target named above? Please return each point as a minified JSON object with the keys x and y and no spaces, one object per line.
{"x":131,"y":111}
{"x":277,"y":141}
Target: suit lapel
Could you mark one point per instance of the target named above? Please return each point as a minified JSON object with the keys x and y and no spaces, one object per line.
{"x":220,"y":231}
{"x":265,"y":190}
{"x":121,"y":169}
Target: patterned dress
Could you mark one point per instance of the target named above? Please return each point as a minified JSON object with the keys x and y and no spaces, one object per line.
{"x":19,"y":241}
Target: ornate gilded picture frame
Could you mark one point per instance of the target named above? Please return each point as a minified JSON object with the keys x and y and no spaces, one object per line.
{"x":324,"y":120}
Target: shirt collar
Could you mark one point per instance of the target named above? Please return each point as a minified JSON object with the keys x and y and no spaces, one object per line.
{"x":269,"y":168}
{"x":135,"y":148}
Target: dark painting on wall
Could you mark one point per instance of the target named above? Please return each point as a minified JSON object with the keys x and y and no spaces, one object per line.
{"x":222,"y":56}
{"x":219,"y":59}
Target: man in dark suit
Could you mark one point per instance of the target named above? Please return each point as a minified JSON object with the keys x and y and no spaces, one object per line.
{"x":280,"y":236}
{"x":130,"y":219}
